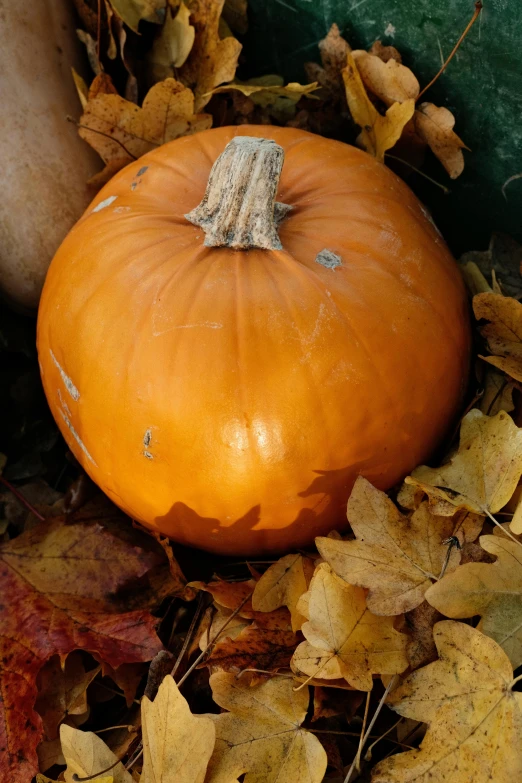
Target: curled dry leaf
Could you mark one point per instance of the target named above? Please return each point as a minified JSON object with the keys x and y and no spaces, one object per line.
{"x":176,"y":744}
{"x":282,"y":584}
{"x":419,"y":624}
{"x":474,"y":716}
{"x":378,"y":133}
{"x":133,"y":11}
{"x":503,"y":332}
{"x":385,"y":53}
{"x":261,"y":735}
{"x":86,"y":754}
{"x":62,"y":691}
{"x":334,"y":52}
{"x":172,"y":44}
{"x":235,"y":15}
{"x":389,"y":81}
{"x":397,"y":557}
{"x":491,"y":590}
{"x":271,"y":93}
{"x":434,"y":125}
{"x":343,"y":638}
{"x":483,"y":474}
{"x":498,"y":394}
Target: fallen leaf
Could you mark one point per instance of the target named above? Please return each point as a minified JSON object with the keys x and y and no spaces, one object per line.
{"x":330,"y":702}
{"x":483,"y":474}
{"x":261,"y":735}
{"x":419,"y":624}
{"x":127,"y":677}
{"x":86,"y":754}
{"x":211,"y":61}
{"x":378,"y":133}
{"x":475,"y":731}
{"x":179,"y":583}
{"x":235,"y":15}
{"x":270,"y":93}
{"x":172,"y":44}
{"x":92,"y":50}
{"x":396,"y":557}
{"x":498,"y":394}
{"x":176,"y":744}
{"x":120,"y":130}
{"x":491,"y":590}
{"x":230,"y":595}
{"x":503,"y":258}
{"x":282,"y":584}
{"x":503,"y":332}
{"x":344,"y":639}
{"x":133,"y":11}
{"x":385,"y":53}
{"x":389,"y":81}
{"x":334,"y":52}
{"x":59,"y":582}
{"x":434,"y":125}
{"x":219,"y":617}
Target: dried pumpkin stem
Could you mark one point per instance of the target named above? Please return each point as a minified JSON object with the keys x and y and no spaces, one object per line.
{"x":239,"y":210}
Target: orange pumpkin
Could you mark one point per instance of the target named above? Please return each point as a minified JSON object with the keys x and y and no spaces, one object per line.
{"x":230,"y":397}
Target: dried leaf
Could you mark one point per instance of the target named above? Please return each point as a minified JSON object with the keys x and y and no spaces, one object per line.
{"x":419,"y":623}
{"x":282,"y":584}
{"x":343,"y":638}
{"x":434,"y":125}
{"x":498,"y":394}
{"x":86,"y":754}
{"x":503,"y":259}
{"x":172,"y":44}
{"x":475,"y":717}
{"x":92,"y":50}
{"x":334,"y":52}
{"x":385,"y":53}
{"x":280,"y":100}
{"x":503,"y":332}
{"x":262,"y":735}
{"x":176,"y":744}
{"x":379,"y":133}
{"x":395,"y":556}
{"x":389,"y":81}
{"x":235,"y":15}
{"x":483,"y":473}
{"x":330,"y":702}
{"x":133,"y":11}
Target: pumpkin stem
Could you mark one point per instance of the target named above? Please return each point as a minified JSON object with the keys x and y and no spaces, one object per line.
{"x":239,"y":208}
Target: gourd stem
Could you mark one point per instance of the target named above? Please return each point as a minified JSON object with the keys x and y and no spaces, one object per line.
{"x":238,"y":209}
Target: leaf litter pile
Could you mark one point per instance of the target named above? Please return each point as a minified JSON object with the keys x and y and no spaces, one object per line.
{"x":387,"y":654}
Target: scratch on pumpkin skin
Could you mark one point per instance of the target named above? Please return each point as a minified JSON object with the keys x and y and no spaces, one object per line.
{"x":203,"y":324}
{"x":77,"y":438}
{"x":69,"y":385}
{"x":105,"y":203}
{"x":146,"y":442}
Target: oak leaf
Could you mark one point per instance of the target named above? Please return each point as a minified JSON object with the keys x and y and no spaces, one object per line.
{"x":59,"y":582}
{"x":172,"y":44}
{"x":343,"y":638}
{"x":483,"y":474}
{"x":389,"y":81}
{"x":397,"y":557}
{"x":282,"y":584}
{"x":434,"y":125}
{"x":474,"y":716}
{"x":503,"y":332}
{"x":176,"y":744}
{"x":378,"y":132}
{"x":261,"y":735}
{"x":133,"y":11}
{"x":491,"y":590}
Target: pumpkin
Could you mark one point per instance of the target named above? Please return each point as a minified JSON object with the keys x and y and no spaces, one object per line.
{"x":45,"y":165}
{"x":225,"y":365}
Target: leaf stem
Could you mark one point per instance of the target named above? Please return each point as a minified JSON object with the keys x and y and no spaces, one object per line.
{"x":363,"y":729}
{"x":504,"y":530}
{"x":418,"y":171}
{"x":190,"y":633}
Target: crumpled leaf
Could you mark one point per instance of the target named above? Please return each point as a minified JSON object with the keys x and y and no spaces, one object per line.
{"x":85,"y":754}
{"x":172,"y":44}
{"x":475,"y":731}
{"x":344,"y":639}
{"x":334,"y":52}
{"x":261,"y":734}
{"x":503,"y":332}
{"x":389,"y":81}
{"x":235,"y":15}
{"x":271,"y":93}
{"x":482,"y":475}
{"x":133,"y":11}
{"x":58,"y":586}
{"x":419,"y":624}
{"x":212,"y":61}
{"x":176,"y":744}
{"x":385,"y":53}
{"x":282,"y":584}
{"x":492,"y":590}
{"x":379,"y":133}
{"x":395,"y":556}
{"x":434,"y":125}
{"x":120,"y":130}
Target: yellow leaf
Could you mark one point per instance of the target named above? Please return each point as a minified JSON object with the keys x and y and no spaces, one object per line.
{"x":498,"y":394}
{"x":282,"y":585}
{"x":378,"y":133}
{"x":261,"y":734}
{"x":474,"y":716}
{"x":119,"y":129}
{"x":86,"y":754}
{"x":503,"y":332}
{"x":280,"y":99}
{"x":44,"y":779}
{"x":389,"y":81}
{"x":133,"y":11}
{"x":482,"y":475}
{"x":396,"y":557}
{"x":176,"y":744}
{"x":434,"y":125}
{"x":172,"y":45}
{"x":344,"y":639}
{"x":492,"y":590}
{"x":81,"y":87}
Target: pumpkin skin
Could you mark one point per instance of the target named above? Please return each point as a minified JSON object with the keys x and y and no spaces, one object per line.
{"x":229,"y":399}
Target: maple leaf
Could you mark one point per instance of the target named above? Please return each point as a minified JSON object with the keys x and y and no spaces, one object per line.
{"x":379,"y":132}
{"x":261,"y":735}
{"x":475,"y":717}
{"x":59,"y":581}
{"x":434,"y":125}
{"x":172,"y":44}
{"x":133,"y":11}
{"x":483,"y":474}
{"x":176,"y":744}
{"x":503,"y":332}
{"x":389,"y":81}
{"x":395,"y":556}
{"x":86,"y":754}
{"x":62,"y":691}
{"x":119,"y":130}
{"x":344,"y":639}
{"x":492,"y":590}
{"x":334,"y":53}
{"x":282,"y":584}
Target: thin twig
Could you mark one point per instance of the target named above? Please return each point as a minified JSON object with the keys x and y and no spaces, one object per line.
{"x":358,"y":734}
{"x":130,"y":728}
{"x":369,"y":751}
{"x":476,"y":14}
{"x":21,"y":498}
{"x":451,"y":542}
{"x":264,"y":671}
{"x":418,"y":171}
{"x":363,"y":729}
{"x":135,"y":758}
{"x":95,"y":774}
{"x":190,"y":632}
{"x":504,"y":530}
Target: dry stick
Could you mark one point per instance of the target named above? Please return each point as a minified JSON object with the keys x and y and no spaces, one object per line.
{"x":21,"y":498}
{"x":190,"y":632}
{"x":451,"y":542}
{"x":390,"y":740}
{"x":130,"y":728}
{"x":98,"y":31}
{"x":504,"y":530}
{"x":476,"y":14}
{"x":363,"y":729}
{"x":370,"y":736}
{"x":418,"y":171}
{"x":135,"y":759}
{"x":372,"y":723}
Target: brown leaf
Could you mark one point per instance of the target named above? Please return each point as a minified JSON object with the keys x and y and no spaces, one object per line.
{"x":334,"y":52}
{"x":329,"y":702}
{"x":503,"y":332}
{"x":235,"y":15}
{"x":179,"y":583}
{"x":389,"y":81}
{"x":503,"y":259}
{"x":127,"y":677}
{"x":133,"y":11}
{"x":385,"y":53}
{"x":419,"y":623}
{"x":270,"y":93}
{"x":434,"y":124}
